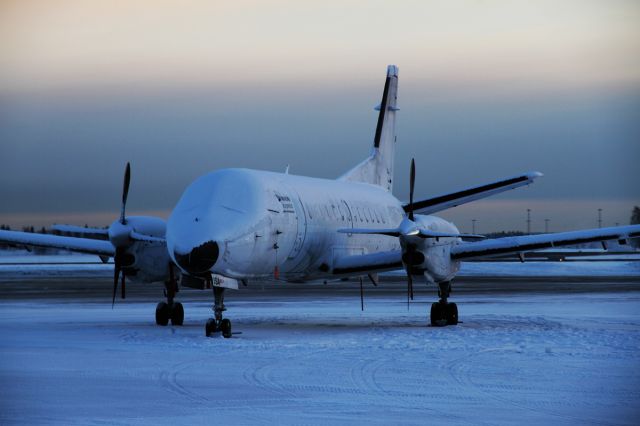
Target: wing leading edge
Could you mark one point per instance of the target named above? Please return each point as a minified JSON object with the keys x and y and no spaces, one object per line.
{"x":446,"y":201}
{"x":81,"y":245}
{"x":527,"y":243}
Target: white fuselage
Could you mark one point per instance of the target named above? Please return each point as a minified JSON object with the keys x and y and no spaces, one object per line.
{"x":279,"y":226}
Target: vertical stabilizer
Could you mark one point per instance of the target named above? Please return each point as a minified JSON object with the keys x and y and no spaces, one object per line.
{"x":378,"y":168}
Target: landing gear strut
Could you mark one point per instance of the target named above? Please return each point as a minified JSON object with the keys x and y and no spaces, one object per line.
{"x":170,"y":310}
{"x":217,"y":323}
{"x":442,"y":312}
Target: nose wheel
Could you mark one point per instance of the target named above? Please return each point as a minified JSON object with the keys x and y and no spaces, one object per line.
{"x":442,"y":312}
{"x":218,"y":324}
{"x":213,"y":326}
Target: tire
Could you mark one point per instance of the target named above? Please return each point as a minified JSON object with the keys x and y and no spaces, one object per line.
{"x":163,"y":312}
{"x":452,"y":314}
{"x":210,"y":327}
{"x":225,"y":327}
{"x":177,"y":314}
{"x":435,"y":314}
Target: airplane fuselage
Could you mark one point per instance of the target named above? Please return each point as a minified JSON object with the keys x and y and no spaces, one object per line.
{"x":249,"y":224}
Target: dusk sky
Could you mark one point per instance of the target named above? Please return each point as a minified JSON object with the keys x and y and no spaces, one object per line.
{"x":488,"y":89}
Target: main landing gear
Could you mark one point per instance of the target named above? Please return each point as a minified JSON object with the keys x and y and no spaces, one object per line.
{"x":442,"y":312}
{"x":170,"y":310}
{"x":218,"y":324}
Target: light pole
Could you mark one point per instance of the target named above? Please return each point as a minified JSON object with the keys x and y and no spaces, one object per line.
{"x":473,"y":226}
{"x":528,"y":221}
{"x":546,"y":226}
{"x":599,"y":218}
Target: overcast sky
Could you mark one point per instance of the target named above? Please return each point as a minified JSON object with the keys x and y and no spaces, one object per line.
{"x":488,"y":89}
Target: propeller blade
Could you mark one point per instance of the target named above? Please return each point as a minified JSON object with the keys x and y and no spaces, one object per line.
{"x":125,"y":191}
{"x":116,"y":275}
{"x":361,"y":296}
{"x":409,"y":287}
{"x":412,"y":180}
{"x":123,"y":287}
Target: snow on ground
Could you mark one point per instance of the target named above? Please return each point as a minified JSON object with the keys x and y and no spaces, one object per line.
{"x":23,"y":265}
{"x":570,"y":358}
{"x":551,"y":269}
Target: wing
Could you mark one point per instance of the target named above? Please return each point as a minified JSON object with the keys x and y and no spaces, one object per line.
{"x":501,"y":246}
{"x":82,"y":245}
{"x":364,"y":263}
{"x":454,"y":199}
{"x":560,"y":255}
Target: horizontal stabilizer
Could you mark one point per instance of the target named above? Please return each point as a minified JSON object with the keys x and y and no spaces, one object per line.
{"x":425,"y":233}
{"x":443,"y":202}
{"x":419,"y":232}
{"x":521,"y":244}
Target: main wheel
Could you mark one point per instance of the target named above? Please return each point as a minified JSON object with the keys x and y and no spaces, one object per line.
{"x":225,"y":327}
{"x":452,"y":313}
{"x":210,"y":327}
{"x":436,"y":314}
{"x":177,"y":314}
{"x":163,"y":312}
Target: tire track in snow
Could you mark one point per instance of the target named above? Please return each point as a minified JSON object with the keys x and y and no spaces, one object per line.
{"x":460,"y":370}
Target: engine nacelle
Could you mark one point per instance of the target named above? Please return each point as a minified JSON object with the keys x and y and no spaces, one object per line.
{"x":147,"y":261}
{"x":431,"y":256}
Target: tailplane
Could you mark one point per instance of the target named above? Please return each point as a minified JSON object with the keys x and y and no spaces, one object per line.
{"x":377,"y":169}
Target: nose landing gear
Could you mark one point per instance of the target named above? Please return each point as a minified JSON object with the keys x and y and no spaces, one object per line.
{"x":218,"y":324}
{"x":442,"y":312}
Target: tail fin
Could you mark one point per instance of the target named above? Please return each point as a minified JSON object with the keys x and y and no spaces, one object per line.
{"x":378,"y":168}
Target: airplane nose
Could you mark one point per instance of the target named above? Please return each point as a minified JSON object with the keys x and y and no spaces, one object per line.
{"x":200,"y":259}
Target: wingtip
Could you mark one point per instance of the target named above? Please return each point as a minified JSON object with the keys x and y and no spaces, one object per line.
{"x":392,"y":71}
{"x":534,"y":175}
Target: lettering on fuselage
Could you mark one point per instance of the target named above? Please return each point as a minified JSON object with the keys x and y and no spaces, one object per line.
{"x":287,"y":204}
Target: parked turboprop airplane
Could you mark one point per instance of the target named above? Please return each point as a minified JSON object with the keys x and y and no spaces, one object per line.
{"x":239,"y":225}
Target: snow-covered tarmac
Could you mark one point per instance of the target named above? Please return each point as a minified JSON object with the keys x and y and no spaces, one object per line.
{"x":530,"y":350}
{"x":310,"y":356}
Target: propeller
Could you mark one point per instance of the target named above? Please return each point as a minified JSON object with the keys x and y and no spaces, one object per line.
{"x":125,"y":192}
{"x":119,"y":235}
{"x":409,"y":227}
{"x":412,"y":182}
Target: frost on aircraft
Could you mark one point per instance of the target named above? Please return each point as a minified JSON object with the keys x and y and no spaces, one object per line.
{"x":238,"y":225}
